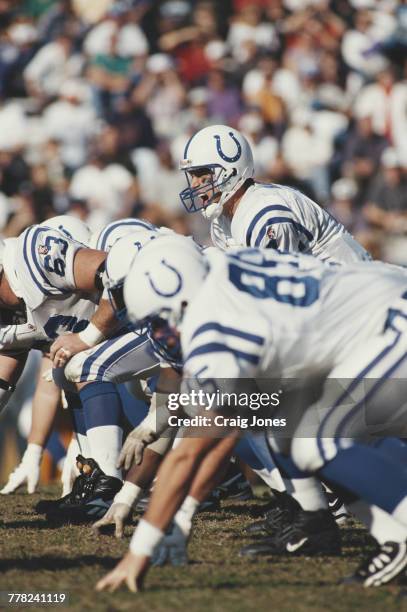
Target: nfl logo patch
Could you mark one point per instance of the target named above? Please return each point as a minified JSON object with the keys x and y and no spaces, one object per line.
{"x":270,"y":233}
{"x":42,"y":250}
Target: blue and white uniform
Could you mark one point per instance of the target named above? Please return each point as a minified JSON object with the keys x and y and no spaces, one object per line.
{"x":274,"y":216}
{"x":40,"y":269}
{"x":127,"y":355}
{"x":41,"y":273}
{"x":278,"y":217}
{"x":264,"y":315}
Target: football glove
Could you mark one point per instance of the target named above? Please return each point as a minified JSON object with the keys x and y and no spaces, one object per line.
{"x":117,"y":516}
{"x":172,"y":549}
{"x":147,"y":432}
{"x":28,"y":471}
{"x":120,"y":510}
{"x":70,"y":472}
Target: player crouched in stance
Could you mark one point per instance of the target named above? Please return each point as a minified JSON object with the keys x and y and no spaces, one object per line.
{"x":58,"y":281}
{"x":15,"y":343}
{"x":55,"y":277}
{"x":93,"y":373}
{"x":255,"y":314}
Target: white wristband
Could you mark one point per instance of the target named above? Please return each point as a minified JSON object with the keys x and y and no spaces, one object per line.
{"x":127,"y":494}
{"x":145,"y":539}
{"x":91,"y":335}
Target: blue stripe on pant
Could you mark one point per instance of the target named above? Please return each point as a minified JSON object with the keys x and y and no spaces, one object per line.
{"x":323,"y":430}
{"x":253,"y":450}
{"x":113,"y":354}
{"x":366,"y":471}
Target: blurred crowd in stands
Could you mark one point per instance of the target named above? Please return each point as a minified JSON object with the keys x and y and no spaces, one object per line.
{"x":98,"y":98}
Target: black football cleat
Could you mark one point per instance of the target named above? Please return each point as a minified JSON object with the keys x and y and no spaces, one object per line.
{"x":282,"y":511}
{"x":310,"y":534}
{"x":236,"y":488}
{"x":337,"y":507}
{"x":47,"y":505}
{"x":211,"y":503}
{"x":91,"y":496}
{"x":385,"y":564}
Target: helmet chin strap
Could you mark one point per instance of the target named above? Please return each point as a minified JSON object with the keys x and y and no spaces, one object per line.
{"x":213,"y":211}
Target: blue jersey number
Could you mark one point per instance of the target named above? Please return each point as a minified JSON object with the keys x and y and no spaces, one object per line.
{"x":57,"y":266}
{"x":68,"y":323}
{"x":293,"y":290}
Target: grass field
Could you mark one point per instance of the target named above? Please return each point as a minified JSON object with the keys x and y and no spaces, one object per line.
{"x":35,"y":557}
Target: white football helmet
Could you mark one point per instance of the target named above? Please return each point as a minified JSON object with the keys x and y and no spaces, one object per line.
{"x":163,"y":277}
{"x":118,"y":264}
{"x":227,"y":155}
{"x":70,"y":226}
{"x":104,"y":239}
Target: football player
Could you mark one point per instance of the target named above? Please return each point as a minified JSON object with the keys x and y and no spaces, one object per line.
{"x":15,"y":341}
{"x":125,"y":356}
{"x":55,"y":278}
{"x":219,"y":169}
{"x":256,"y":314}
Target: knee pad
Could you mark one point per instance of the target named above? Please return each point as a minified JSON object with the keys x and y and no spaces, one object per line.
{"x":6,"y":391}
{"x":306,"y":454}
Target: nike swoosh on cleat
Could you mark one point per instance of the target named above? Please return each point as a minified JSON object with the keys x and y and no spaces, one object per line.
{"x":293,"y":547}
{"x":98,"y":503}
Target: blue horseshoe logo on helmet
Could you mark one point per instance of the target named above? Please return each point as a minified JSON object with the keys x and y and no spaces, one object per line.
{"x":163,"y":293}
{"x":226,"y":158}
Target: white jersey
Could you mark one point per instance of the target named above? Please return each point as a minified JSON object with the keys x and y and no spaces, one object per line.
{"x":263,"y":314}
{"x":42,"y":276}
{"x":278,"y":217}
{"x":116,"y":230}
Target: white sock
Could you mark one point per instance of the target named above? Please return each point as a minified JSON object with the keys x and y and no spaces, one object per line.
{"x":308,"y":492}
{"x":400,"y":512}
{"x":83,"y":443}
{"x":185,"y":514}
{"x":105,"y":444}
{"x":272,"y":478}
{"x":382,"y":526}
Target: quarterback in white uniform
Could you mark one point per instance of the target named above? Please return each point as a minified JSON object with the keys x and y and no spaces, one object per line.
{"x":218,"y":165}
{"x":260,"y":315}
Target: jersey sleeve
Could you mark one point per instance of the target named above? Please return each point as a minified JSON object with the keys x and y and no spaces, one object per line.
{"x":45,"y":266}
{"x":281,"y":232}
{"x":21,"y":336}
{"x":221,"y":359}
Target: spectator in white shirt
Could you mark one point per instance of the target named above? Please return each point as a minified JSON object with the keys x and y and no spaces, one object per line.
{"x":50,"y":67}
{"x":385,"y":101}
{"x":71,"y":121}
